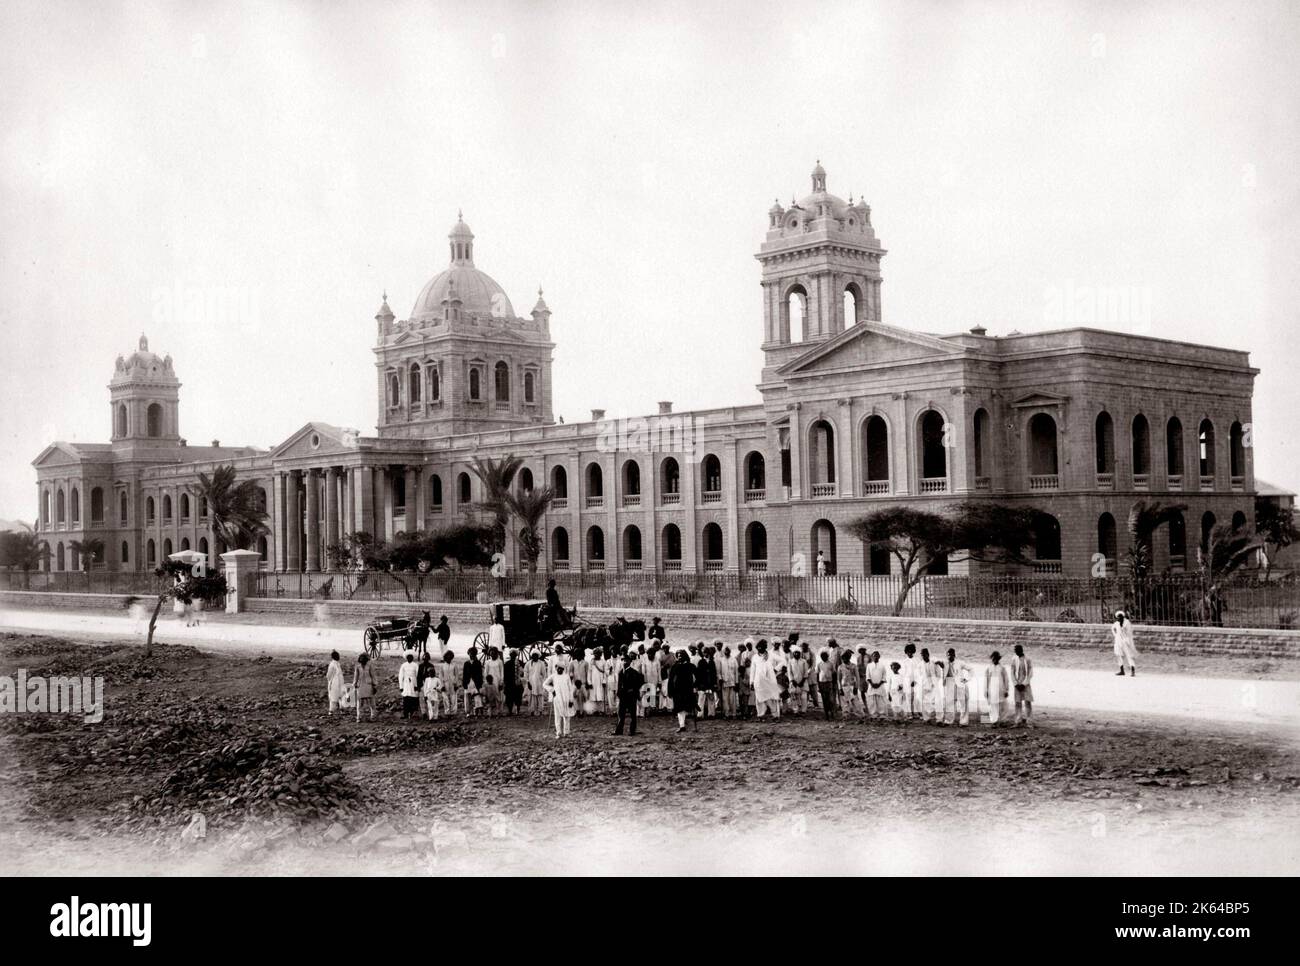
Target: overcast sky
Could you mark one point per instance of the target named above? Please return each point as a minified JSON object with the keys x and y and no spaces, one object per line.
{"x":282,"y":164}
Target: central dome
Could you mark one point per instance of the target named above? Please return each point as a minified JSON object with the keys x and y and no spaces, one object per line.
{"x":478,"y":292}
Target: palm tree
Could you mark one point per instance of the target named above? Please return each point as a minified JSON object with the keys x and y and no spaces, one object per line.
{"x":22,"y":550}
{"x":528,"y":507}
{"x":1226,"y":550}
{"x":1143,"y":521}
{"x":496,"y":477}
{"x":90,"y":550}
{"x":234,"y":507}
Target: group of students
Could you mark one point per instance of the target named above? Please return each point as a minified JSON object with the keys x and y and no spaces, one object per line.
{"x":702,"y":680}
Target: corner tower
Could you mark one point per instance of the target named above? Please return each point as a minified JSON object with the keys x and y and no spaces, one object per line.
{"x":144,"y":397}
{"x":821,"y":270}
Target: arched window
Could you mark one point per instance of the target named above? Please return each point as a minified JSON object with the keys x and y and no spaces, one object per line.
{"x":126,"y":552}
{"x":203,"y":546}
{"x":263,"y":549}
{"x":1141,"y":446}
{"x":167,"y":508}
{"x":632,"y":544}
{"x":1107,"y":542}
{"x":154,"y":420}
{"x":530,"y":387}
{"x":823,"y":548}
{"x":1104,"y":443}
{"x":795,"y":310}
{"x":502,"y":378}
{"x":671,"y":476}
{"x":435,"y":490}
{"x":149,"y":510}
{"x":185,"y":543}
{"x":465,"y":488}
{"x":119,"y":421}
{"x":1207,"y":528}
{"x":821,"y":454}
{"x":632,"y":479}
{"x":1042,"y":449}
{"x":203,"y":507}
{"x":1047,"y":537}
{"x":934,"y":455}
{"x":1174,"y":461}
{"x":76,"y":507}
{"x":394,"y":391}
{"x":1236,"y":451}
{"x":435,"y":384}
{"x":1177,"y":542}
{"x":60,"y":509}
{"x":260,"y":499}
{"x":167,"y":547}
{"x":852,"y":304}
{"x":756,"y":543}
{"x":121,"y":510}
{"x":96,"y":505}
{"x":596,"y":545}
{"x":595,"y":482}
{"x":1205,"y":442}
{"x":713,"y":550}
{"x":982,"y":438}
{"x":672,"y":548}
{"x":150,"y":553}
{"x":875,"y":454}
{"x":475,"y":387}
{"x":560,"y":546}
{"x":60,"y":561}
{"x":1238,"y":520}
{"x":560,"y":483}
{"x":413,"y":388}
{"x":185,"y":506}
{"x":525,"y":479}
{"x":711,"y":474}
{"x":755,"y":476}
{"x":878,"y":560}
{"x":45,"y":510}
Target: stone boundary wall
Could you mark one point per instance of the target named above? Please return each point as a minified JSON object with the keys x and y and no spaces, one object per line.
{"x":969,"y":635}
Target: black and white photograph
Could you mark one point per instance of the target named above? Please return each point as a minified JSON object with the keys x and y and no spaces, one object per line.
{"x":658,"y":440}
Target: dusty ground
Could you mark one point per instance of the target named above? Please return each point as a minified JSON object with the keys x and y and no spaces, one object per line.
{"x":283,"y":787}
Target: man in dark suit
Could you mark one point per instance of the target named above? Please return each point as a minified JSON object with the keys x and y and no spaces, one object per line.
{"x":628,"y":689}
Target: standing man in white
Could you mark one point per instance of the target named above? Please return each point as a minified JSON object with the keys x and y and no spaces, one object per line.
{"x":1125,"y":651}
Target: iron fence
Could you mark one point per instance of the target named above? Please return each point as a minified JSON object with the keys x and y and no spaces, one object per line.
{"x":1180,"y":599}
{"x":81,"y":582}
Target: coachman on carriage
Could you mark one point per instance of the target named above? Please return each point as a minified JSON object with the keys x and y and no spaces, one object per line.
{"x":536,"y":626}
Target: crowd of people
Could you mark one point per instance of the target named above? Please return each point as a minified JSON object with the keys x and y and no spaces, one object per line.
{"x":754,"y":679}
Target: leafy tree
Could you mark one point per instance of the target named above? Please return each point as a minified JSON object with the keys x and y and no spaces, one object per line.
{"x":186,"y":583}
{"x":918,"y":539}
{"x":22,"y":550}
{"x":89,"y":550}
{"x":233,"y":507}
{"x":497,"y":476}
{"x":1275,"y":526}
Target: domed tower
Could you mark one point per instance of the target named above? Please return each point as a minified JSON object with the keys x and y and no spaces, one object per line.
{"x":463,"y":361}
{"x":821,"y":270}
{"x":144,"y":395}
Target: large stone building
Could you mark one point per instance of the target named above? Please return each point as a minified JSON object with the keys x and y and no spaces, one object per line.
{"x":855,"y":414}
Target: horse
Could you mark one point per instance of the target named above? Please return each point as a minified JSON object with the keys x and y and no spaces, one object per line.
{"x":417,"y":636}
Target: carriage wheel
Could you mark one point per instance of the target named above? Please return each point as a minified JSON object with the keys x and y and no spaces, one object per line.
{"x":480,"y":642}
{"x":372,"y":643}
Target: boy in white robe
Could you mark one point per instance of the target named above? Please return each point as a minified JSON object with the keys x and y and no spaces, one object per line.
{"x":433,"y":696}
{"x":446,"y":672}
{"x":913,"y":681}
{"x":997,"y":689}
{"x":535,"y":677}
{"x":560,"y":688}
{"x":728,"y":677}
{"x":898,"y":703}
{"x":931,"y":688}
{"x":877,"y":696}
{"x":762,"y":675}
{"x":334,"y":681}
{"x":956,"y":690}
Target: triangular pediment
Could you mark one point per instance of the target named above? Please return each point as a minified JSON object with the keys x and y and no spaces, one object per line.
{"x":57,"y":454}
{"x":1039,"y":397}
{"x":869,"y":344}
{"x":316,"y":440}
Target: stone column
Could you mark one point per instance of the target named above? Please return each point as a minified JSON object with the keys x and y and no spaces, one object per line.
{"x":385,"y":484}
{"x":278,"y":520}
{"x":796,"y":452}
{"x":313,"y":520}
{"x":293,"y":520}
{"x":331,"y":513}
{"x":731,"y":487}
{"x":844,"y":461}
{"x":689,"y":465}
{"x":412,"y":496}
{"x":420,"y":497}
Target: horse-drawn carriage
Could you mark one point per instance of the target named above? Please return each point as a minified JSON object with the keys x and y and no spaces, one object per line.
{"x":532,"y":627}
{"x":412,"y":632}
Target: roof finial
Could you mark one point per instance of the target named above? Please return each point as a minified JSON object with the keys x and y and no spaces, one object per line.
{"x":144,"y":343}
{"x":460,"y":216}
